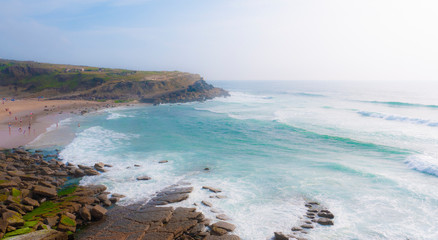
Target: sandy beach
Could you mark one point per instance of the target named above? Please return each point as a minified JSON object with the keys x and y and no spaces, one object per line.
{"x":22,"y":120}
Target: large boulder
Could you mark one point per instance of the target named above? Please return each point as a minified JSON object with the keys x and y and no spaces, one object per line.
{"x":280,"y":236}
{"x":67,"y":224}
{"x":325,"y":221}
{"x":85,"y":214}
{"x":13,"y":218}
{"x":224,"y":225}
{"x":97,"y":212}
{"x":326,"y":214}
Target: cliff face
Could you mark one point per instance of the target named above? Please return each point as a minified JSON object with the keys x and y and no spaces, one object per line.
{"x":31,"y":79}
{"x":199,"y":91}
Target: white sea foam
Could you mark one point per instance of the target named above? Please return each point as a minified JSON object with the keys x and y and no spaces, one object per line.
{"x":116,"y":113}
{"x":121,"y":178}
{"x":97,"y":144}
{"x":253,"y":215}
{"x":423,"y":163}
{"x":94,"y":140}
{"x":243,"y":106}
{"x":242,"y":98}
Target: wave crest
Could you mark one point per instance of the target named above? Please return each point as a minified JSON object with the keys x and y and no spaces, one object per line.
{"x":398,"y":118}
{"x":423,"y":163}
{"x":403,"y":104}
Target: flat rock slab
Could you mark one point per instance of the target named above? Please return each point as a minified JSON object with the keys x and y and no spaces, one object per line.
{"x":47,"y":234}
{"x":172,"y":198}
{"x":176,"y":228}
{"x":207,"y":203}
{"x":147,"y":217}
{"x":158,"y":236}
{"x":106,"y":235}
{"x":148,"y":208}
{"x":222,"y":217}
{"x":175,"y":190}
{"x":215,"y":190}
{"x":45,"y":191}
{"x":145,"y":221}
{"x":128,"y":226}
{"x":223,"y":237}
{"x":144,"y":178}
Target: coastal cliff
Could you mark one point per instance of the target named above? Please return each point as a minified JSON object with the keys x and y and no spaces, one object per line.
{"x":55,"y":81}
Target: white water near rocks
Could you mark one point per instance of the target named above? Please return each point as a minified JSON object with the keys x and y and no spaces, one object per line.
{"x":368,"y":152}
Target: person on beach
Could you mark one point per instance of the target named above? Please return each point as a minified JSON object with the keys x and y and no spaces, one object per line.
{"x":31,"y":115}
{"x":9,"y":125}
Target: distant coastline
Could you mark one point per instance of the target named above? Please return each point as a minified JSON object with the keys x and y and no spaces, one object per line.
{"x":48,"y":93}
{"x":22,"y":79}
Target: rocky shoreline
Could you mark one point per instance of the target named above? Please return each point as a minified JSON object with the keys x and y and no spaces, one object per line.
{"x":41,"y":199}
{"x":38,"y":197}
{"x":149,"y":220}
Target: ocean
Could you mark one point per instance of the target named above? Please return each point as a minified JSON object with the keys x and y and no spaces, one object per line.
{"x":366,"y":151}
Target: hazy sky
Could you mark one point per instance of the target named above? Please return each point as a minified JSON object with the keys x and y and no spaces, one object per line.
{"x":230,"y":39}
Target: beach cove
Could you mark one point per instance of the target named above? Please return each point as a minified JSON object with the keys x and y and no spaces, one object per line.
{"x":40,"y":193}
{"x":274,"y":154}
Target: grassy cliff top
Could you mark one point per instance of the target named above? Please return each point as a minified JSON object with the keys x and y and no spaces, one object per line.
{"x":27,"y":77}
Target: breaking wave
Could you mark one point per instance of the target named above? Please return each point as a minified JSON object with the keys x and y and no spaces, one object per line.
{"x":399,"y":118}
{"x":423,"y":163}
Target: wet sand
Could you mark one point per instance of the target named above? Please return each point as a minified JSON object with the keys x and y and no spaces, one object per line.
{"x":40,"y":114}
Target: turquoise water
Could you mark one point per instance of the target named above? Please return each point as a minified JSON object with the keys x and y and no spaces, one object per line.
{"x":368,"y":152}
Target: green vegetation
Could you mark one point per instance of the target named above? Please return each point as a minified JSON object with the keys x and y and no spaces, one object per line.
{"x":31,"y":223}
{"x":3,"y":197}
{"x":35,"y":77}
{"x":122,"y":101}
{"x":67,"y":190}
{"x":55,"y":81}
{"x":67,"y":221}
{"x":16,"y":192}
{"x":18,"y":232}
{"x":47,"y":209}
